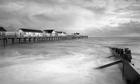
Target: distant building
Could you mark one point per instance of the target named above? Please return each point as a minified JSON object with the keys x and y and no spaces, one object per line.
{"x":2,"y":31}
{"x":49,"y":32}
{"x":22,"y":32}
{"x":60,"y":33}
{"x":76,"y":34}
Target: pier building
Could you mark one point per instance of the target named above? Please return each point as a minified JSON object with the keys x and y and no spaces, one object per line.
{"x":2,"y":31}
{"x":49,"y":32}
{"x":23,"y":32}
{"x":61,"y":33}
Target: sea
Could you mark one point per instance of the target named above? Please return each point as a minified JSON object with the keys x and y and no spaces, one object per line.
{"x":65,"y":61}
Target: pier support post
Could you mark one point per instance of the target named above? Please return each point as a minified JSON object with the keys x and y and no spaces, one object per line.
{"x":13,"y":40}
{"x":34,"y":39}
{"x":29,"y":40}
{"x":4,"y":42}
{"x":19,"y":40}
{"x":24,"y":40}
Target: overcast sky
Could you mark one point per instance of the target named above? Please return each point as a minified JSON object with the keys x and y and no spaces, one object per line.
{"x":91,"y":17}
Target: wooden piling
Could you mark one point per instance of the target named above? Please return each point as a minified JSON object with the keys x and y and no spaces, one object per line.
{"x":24,"y":40}
{"x":4,"y":44}
{"x":13,"y":40}
{"x":29,"y":40}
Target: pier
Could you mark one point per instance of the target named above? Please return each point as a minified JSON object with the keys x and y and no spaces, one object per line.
{"x":26,"y":35}
{"x":4,"y":41}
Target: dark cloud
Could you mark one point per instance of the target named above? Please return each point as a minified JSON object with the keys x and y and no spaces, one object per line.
{"x":132,"y":27}
{"x":128,"y":29}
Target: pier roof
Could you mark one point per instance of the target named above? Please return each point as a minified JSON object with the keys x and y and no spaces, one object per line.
{"x":2,"y":29}
{"x":30,"y":30}
{"x":60,"y":32}
{"x":49,"y":30}
{"x":77,"y":33}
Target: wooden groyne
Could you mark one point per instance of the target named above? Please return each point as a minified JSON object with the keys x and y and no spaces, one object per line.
{"x":4,"y":41}
{"x":129,"y":72}
{"x":123,"y":57}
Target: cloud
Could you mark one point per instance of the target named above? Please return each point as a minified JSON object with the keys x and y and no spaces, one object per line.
{"x":99,"y":16}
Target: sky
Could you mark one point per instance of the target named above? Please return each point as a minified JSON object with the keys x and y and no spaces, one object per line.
{"x":90,"y":17}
